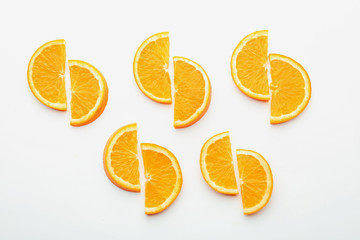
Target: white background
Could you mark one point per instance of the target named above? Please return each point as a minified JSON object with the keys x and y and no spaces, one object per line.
{"x":52,"y":182}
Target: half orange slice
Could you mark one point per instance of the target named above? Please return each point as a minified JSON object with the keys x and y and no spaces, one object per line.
{"x":46,"y":74}
{"x":290,"y":88}
{"x":217,"y":165}
{"x":151,"y":68}
{"x":249,"y":65}
{"x":192,"y":92}
{"x":256,"y":181}
{"x":121,"y":161}
{"x":89,"y":93}
{"x":162,"y":175}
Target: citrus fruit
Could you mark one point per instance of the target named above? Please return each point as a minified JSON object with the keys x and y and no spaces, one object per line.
{"x":151,"y":68}
{"x":163,"y":178}
{"x":290,"y":88}
{"x":46,"y":74}
{"x":217,"y":165}
{"x":192,"y":92}
{"x":121,"y":161}
{"x":249,"y":65}
{"x":89,"y":93}
{"x":256,"y":182}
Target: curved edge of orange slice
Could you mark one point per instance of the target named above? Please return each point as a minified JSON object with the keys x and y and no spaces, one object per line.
{"x":116,"y":180}
{"x":135,"y":66}
{"x":56,"y":106}
{"x":102,"y":99}
{"x":204,"y":170}
{"x":179,"y":179}
{"x":302,"y":106}
{"x":269,"y":181}
{"x":235,"y":77}
{"x":200,"y":112}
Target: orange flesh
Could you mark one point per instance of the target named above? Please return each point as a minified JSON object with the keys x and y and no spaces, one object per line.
{"x":153,"y":68}
{"x":160,"y":178}
{"x":219,"y":163}
{"x":253,"y":182}
{"x":189,"y":90}
{"x":124,"y":159}
{"x":48,"y":73}
{"x":251,"y":65}
{"x":85,"y":91}
{"x":288,"y":88}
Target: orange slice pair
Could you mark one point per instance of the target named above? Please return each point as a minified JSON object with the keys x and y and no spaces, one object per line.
{"x":192,"y":89}
{"x":163,"y":178}
{"x":290,"y":87}
{"x":46,"y":78}
{"x":255,"y":177}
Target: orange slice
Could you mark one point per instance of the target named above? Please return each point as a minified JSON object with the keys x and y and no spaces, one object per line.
{"x":249,"y":65}
{"x":217,"y":165}
{"x":256,"y":180}
{"x":151,"y":68}
{"x":291,"y":88}
{"x":121,"y":162}
{"x":162,"y":175}
{"x":89,"y":93}
{"x":192,"y":92}
{"x":46,"y":74}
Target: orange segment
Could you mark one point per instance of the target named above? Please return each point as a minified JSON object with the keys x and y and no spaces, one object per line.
{"x":163,"y":177}
{"x":217,"y":166}
{"x":291,"y":88}
{"x":192,"y":92}
{"x":256,"y":180}
{"x":151,"y":68}
{"x":89,"y":93}
{"x":249,"y":65}
{"x":46,"y":73}
{"x":121,"y":162}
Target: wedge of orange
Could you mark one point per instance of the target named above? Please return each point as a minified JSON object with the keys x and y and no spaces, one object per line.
{"x":249,"y":65}
{"x":151,"y":68}
{"x":162,"y":175}
{"x":121,"y":161}
{"x":256,"y":182}
{"x":192,"y":92}
{"x":290,"y":88}
{"x":46,"y":74}
{"x":89,"y":93}
{"x":217,"y":165}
